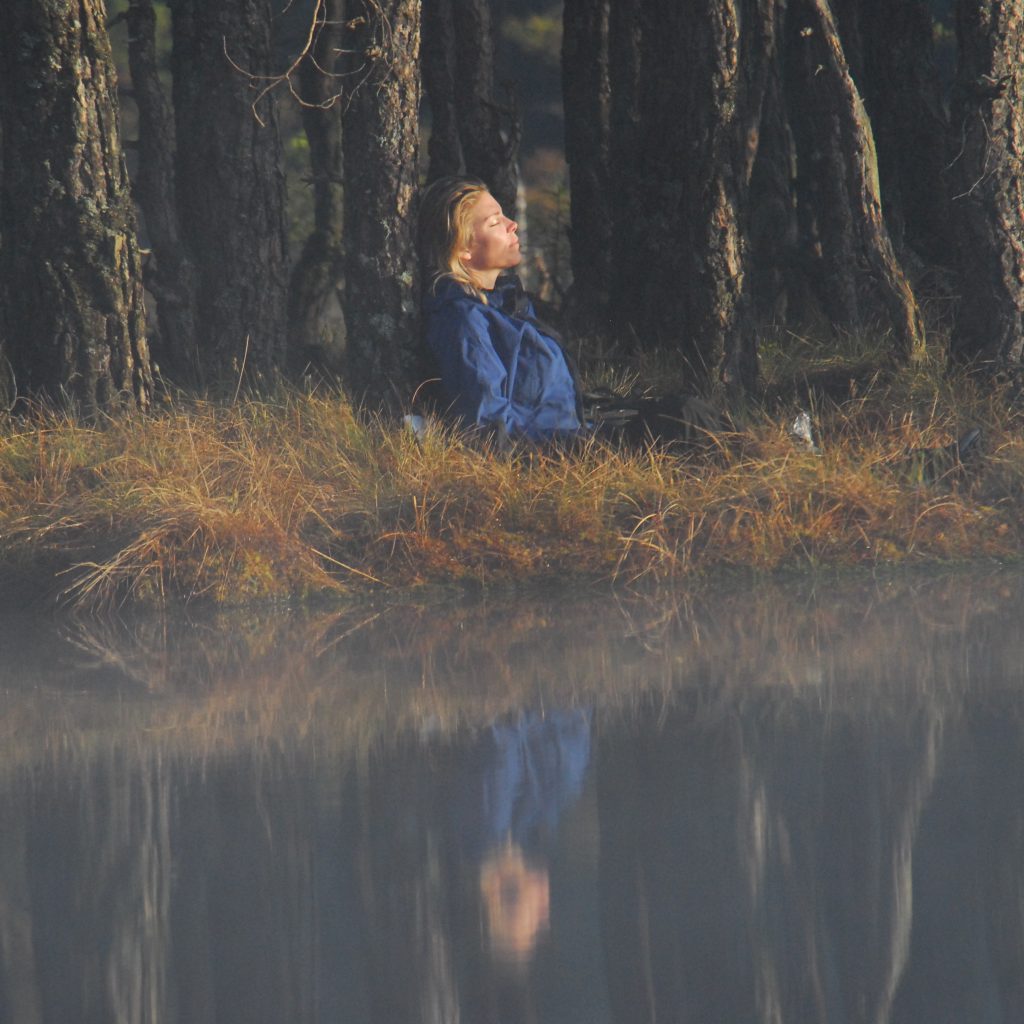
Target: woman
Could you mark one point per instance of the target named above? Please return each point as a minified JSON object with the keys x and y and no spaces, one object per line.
{"x":500,"y":368}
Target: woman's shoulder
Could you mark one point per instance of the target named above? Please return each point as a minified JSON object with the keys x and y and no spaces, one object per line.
{"x":449,"y":300}
{"x":445,"y":291}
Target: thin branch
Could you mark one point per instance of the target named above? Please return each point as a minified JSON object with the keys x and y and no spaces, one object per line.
{"x":273,"y":81}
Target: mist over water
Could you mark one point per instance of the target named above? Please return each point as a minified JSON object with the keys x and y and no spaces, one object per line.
{"x":756,"y":804}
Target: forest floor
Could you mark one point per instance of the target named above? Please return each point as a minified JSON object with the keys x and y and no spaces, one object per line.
{"x":294,"y":496}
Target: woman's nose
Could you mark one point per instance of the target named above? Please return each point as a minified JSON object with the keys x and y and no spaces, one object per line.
{"x":512,"y":225}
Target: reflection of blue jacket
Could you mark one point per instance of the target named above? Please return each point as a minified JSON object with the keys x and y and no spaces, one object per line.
{"x":498,"y":368}
{"x":522,"y":774}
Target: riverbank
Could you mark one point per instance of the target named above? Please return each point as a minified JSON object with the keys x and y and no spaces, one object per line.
{"x":292,"y":496}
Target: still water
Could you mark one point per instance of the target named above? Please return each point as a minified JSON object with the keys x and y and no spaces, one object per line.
{"x":787,"y":803}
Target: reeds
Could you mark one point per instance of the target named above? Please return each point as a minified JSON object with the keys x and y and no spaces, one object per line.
{"x":294,"y":496}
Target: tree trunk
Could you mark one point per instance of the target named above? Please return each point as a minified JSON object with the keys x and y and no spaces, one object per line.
{"x":488,"y":130}
{"x":774,"y":277}
{"x":890,"y":50}
{"x":859,"y":279}
{"x":988,"y":180}
{"x":586,"y":93}
{"x":682,"y":167}
{"x":73,"y":322}
{"x":171,"y":274}
{"x":381,"y":177}
{"x":438,"y":58}
{"x":316,"y":325}
{"x":230,"y":181}
{"x":626,"y":196}
{"x":757,"y":27}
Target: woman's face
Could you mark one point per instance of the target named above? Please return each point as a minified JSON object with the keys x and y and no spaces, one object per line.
{"x":494,"y":244}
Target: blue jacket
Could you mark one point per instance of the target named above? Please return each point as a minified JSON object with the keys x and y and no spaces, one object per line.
{"x":498,"y":368}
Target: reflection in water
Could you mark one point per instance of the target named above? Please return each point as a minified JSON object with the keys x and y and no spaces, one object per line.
{"x":783,"y":805}
{"x":517,"y":901}
{"x":457,"y":839}
{"x":511,"y":793}
{"x":757,"y":866}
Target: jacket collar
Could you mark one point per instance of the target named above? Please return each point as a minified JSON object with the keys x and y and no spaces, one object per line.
{"x":508,"y":294}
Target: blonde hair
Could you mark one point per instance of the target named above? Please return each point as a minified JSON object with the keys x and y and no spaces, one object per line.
{"x":445,"y":230}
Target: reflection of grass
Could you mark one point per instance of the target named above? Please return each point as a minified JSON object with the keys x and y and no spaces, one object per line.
{"x":346,"y":682}
{"x":294,"y":496}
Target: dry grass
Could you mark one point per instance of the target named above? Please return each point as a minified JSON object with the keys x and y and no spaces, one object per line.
{"x":294,"y":496}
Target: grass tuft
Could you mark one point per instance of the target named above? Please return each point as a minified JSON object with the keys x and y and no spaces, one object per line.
{"x":295,"y":496}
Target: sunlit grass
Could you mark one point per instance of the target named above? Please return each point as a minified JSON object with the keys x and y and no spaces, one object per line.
{"x":294,"y":496}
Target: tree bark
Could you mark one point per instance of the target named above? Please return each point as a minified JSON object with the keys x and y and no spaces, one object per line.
{"x":859,"y":280}
{"x":774,"y":277}
{"x":757,"y":28}
{"x":230,"y":181}
{"x":381,"y":178}
{"x":689,"y":116}
{"x":901,"y":90}
{"x":489,"y":131}
{"x":438,"y":59}
{"x":73,"y":322}
{"x":988,"y":180}
{"x":171,"y":274}
{"x":316,"y":325}
{"x":626,"y":196}
{"x":586,"y":92}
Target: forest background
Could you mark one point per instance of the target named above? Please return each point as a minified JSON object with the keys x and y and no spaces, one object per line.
{"x":732,"y":164}
{"x":205,"y":199}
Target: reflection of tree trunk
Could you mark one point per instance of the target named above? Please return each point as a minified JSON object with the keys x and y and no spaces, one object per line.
{"x":987,"y":174}
{"x":230,"y":181}
{"x":859,"y":278}
{"x":171,"y":275}
{"x":676,"y":915}
{"x":876,"y":825}
{"x":997,"y":733}
{"x":135,"y":866}
{"x":968,"y":946}
{"x":586,"y":93}
{"x":404,"y":886}
{"x":381,"y":177}
{"x":246,"y":920}
{"x":70,"y":281}
{"x":316,"y":326}
{"x":760,"y":871}
{"x":18,"y":993}
{"x":840,"y":804}
{"x":625,"y":915}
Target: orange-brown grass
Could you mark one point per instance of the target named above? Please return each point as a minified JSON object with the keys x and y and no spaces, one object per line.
{"x":293,"y":495}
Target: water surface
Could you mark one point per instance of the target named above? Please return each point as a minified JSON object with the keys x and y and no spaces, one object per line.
{"x":782,"y":803}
